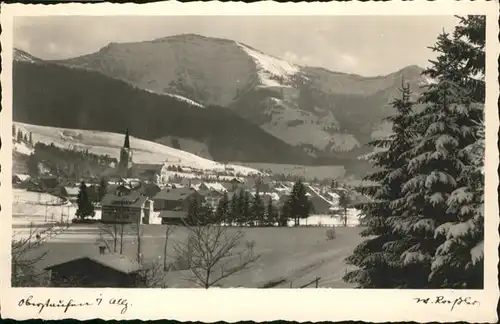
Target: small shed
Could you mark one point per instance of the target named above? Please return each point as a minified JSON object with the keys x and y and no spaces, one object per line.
{"x":104,"y":270}
{"x":173,"y":217}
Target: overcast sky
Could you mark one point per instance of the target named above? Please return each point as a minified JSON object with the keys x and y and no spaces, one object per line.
{"x":365,"y":45}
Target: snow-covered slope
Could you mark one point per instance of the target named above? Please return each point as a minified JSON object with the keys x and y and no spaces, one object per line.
{"x":272,"y":72}
{"x":22,"y":56}
{"x":110,"y":143}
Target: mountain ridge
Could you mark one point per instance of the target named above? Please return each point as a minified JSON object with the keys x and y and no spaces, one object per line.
{"x":329,"y":116}
{"x":306,"y":107}
{"x":43,"y":92}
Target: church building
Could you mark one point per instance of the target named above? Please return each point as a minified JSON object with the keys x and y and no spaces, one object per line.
{"x":125,"y":162}
{"x":148,"y":172}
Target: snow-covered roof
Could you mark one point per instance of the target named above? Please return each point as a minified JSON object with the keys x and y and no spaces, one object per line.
{"x":333,"y":195}
{"x":22,"y":177}
{"x":216,"y":186}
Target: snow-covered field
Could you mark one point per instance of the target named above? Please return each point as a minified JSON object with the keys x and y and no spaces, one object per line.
{"x":110,"y":143}
{"x":296,"y":255}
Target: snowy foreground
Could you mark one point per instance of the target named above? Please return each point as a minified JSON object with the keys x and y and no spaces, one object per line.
{"x":291,"y":256}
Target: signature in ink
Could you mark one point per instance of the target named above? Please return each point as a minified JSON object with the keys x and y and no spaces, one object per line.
{"x":467,"y":301}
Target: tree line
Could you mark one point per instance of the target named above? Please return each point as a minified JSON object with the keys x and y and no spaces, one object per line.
{"x":243,"y":209}
{"x":67,"y":163}
{"x":21,"y":137}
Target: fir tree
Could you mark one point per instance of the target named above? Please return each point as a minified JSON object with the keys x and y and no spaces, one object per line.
{"x":240,"y":206}
{"x":85,"y":206}
{"x":298,"y":202}
{"x":207,"y":215}
{"x":460,"y":66}
{"x":233,"y":213}
{"x":271,"y":213}
{"x":193,"y":211}
{"x":441,"y":207}
{"x":246,"y":211}
{"x":19,"y":136}
{"x":103,"y":189}
{"x":344,"y":203}
{"x":431,"y":236}
{"x":378,"y":257}
{"x":284,"y":214}
{"x":258,"y":210}
{"x":14,"y":133}
{"x":30,"y":140}
{"x":436,"y":168}
{"x":222,"y":212}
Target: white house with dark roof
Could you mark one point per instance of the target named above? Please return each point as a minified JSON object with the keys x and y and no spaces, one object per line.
{"x":132,"y":208}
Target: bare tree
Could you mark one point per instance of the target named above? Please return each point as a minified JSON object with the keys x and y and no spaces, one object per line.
{"x":152,"y":275}
{"x":345,"y":201}
{"x":108,"y":235}
{"x":139,"y":232}
{"x":168,"y":231}
{"x":214,"y":254}
{"x":24,"y":254}
{"x":111,"y":235}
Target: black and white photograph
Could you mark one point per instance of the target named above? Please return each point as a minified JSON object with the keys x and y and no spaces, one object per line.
{"x":250,"y":151}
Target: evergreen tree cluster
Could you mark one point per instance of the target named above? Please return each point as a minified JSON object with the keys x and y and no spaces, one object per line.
{"x":68,"y":163}
{"x":20,"y":137}
{"x":425,"y":223}
{"x":85,"y":206}
{"x":243,"y":209}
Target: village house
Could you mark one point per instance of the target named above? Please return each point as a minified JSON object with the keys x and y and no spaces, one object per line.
{"x":186,"y":169}
{"x":233,"y":184}
{"x":18,"y":178}
{"x":70,"y":193}
{"x":48,"y":183}
{"x":132,"y":208}
{"x":320,"y":205}
{"x":133,"y":183}
{"x":269,"y":195}
{"x":188,"y":182}
{"x":333,"y":197}
{"x":99,"y":270}
{"x":211,"y":192}
{"x":172,"y":204}
{"x":119,"y":189}
{"x":155,"y":173}
{"x":210,"y":186}
{"x":149,"y":190}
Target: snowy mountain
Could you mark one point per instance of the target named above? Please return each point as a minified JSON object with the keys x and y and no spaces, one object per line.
{"x":22,"y":56}
{"x":323,"y":112}
{"x":48,"y":94}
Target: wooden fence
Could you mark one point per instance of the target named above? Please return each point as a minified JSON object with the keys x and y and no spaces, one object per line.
{"x":315,"y":281}
{"x":273,"y":284}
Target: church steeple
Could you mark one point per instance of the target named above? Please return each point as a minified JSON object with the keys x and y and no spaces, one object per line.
{"x":125,"y":157}
{"x":127,"y":140}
